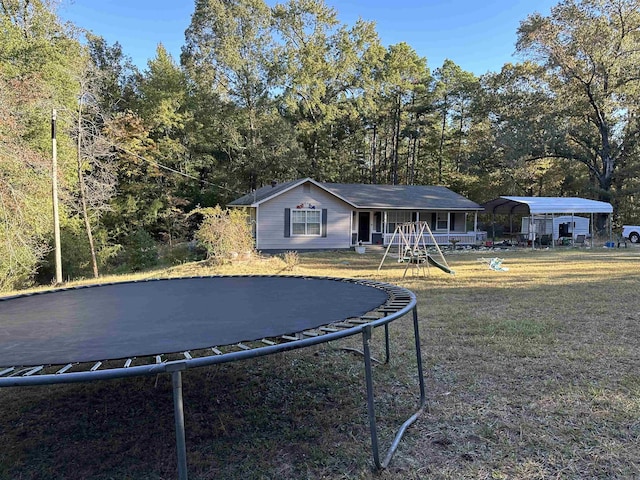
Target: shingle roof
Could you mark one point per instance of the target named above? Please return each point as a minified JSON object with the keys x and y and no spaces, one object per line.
{"x":263,"y":193}
{"x":401,"y":196}
{"x":374,"y":196}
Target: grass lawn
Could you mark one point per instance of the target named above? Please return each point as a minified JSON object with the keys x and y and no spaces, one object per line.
{"x":530,"y":373}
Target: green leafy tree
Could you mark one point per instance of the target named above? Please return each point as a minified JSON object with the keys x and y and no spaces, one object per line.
{"x":138,"y":201}
{"x":114,"y":75}
{"x":25,"y":206}
{"x":228,"y":50}
{"x":162,"y":105}
{"x":39,"y":61}
{"x":371,"y":110}
{"x":161,"y":102}
{"x":323,"y":69}
{"x":455,"y":94}
{"x":588,"y":52}
{"x":404,"y":80}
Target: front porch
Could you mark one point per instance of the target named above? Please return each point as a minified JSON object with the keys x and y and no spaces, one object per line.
{"x":377,"y":227}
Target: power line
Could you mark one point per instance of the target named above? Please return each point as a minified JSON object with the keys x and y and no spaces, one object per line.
{"x":157,"y":164}
{"x":173,"y":170}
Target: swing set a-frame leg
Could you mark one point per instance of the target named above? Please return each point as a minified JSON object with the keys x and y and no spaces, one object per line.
{"x":386,"y":252}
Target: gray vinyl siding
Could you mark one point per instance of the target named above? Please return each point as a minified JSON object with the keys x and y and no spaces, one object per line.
{"x":271,"y":217}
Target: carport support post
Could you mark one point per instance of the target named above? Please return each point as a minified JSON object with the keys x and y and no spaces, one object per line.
{"x":532,"y":232}
{"x":178,"y":414}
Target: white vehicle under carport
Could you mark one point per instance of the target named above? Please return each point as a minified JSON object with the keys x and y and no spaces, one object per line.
{"x":632,"y":232}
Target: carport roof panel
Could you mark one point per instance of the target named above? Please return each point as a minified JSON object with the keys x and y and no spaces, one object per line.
{"x":541,"y":205}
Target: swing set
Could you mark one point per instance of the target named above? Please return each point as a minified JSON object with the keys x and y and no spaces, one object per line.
{"x":412,"y":249}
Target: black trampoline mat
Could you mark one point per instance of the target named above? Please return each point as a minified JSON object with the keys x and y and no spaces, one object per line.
{"x":136,"y":319}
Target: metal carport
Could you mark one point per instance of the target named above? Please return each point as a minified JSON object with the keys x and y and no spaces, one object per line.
{"x":507,"y":205}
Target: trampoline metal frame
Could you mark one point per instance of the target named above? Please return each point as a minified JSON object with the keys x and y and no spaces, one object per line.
{"x":400,"y":302}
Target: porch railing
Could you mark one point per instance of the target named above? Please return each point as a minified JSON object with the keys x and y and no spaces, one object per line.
{"x":451,"y":238}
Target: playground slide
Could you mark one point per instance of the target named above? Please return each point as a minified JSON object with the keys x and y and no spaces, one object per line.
{"x":436,"y":264}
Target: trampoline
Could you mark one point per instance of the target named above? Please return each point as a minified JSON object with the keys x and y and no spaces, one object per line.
{"x":159,"y":326}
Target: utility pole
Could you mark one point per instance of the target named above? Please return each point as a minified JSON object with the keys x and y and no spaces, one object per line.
{"x":54,"y":193}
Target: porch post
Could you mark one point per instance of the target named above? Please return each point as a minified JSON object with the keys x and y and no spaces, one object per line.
{"x":475,"y":226}
{"x":255,"y":228}
{"x":351,"y":228}
{"x":385,"y":227}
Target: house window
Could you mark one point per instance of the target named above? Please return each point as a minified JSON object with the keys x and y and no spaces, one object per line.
{"x":305,"y":222}
{"x":396,"y":217}
{"x":442,"y":221}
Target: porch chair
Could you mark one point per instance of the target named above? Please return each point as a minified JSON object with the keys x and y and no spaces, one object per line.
{"x":544,"y":240}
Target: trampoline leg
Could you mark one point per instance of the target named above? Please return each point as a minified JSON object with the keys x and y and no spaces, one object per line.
{"x":386,"y":343}
{"x":416,"y":333}
{"x":178,"y":413}
{"x":366,"y":339}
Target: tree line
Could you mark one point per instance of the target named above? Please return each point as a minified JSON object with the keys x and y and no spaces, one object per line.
{"x":263,"y":93}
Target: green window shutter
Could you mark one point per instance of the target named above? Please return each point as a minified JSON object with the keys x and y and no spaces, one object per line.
{"x":323,"y":229}
{"x":287,"y":222}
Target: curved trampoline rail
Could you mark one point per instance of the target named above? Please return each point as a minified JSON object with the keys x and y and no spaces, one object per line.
{"x":400,"y":302}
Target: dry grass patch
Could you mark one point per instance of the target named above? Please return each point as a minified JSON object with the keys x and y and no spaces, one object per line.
{"x":531,"y":373}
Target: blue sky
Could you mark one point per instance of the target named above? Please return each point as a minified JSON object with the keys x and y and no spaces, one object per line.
{"x":478,"y":35}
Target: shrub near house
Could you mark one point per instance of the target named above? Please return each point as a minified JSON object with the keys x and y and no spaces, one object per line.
{"x":225,"y":234}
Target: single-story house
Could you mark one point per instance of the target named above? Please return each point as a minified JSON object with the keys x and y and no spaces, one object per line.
{"x":306,"y":214}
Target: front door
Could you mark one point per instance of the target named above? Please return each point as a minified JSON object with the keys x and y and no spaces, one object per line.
{"x":364,"y":227}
